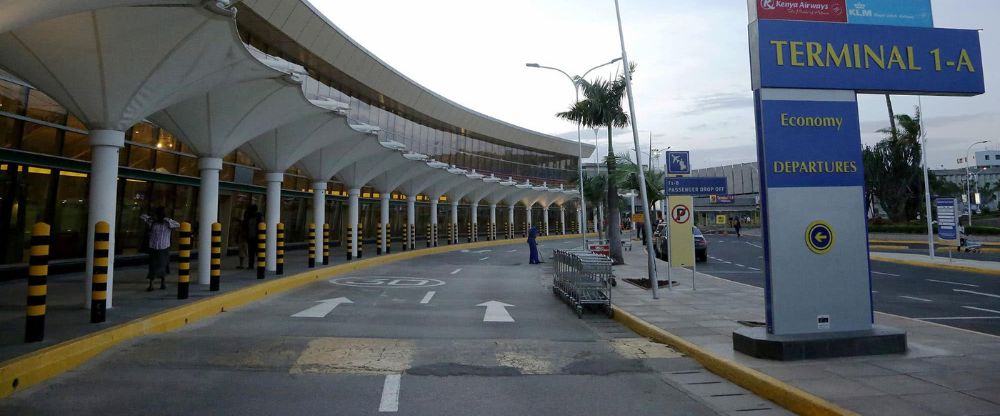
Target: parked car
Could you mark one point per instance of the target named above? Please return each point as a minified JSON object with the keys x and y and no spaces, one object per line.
{"x":660,"y":243}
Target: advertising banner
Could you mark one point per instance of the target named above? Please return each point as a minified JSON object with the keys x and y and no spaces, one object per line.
{"x":696,"y":186}
{"x":810,"y":10}
{"x":864,"y":58}
{"x":722,"y":199}
{"x":914,"y":13}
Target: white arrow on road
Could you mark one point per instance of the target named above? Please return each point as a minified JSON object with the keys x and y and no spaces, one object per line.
{"x":496,"y":312}
{"x":324,"y":308}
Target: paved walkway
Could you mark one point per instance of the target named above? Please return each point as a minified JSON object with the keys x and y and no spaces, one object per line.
{"x":946,"y":371}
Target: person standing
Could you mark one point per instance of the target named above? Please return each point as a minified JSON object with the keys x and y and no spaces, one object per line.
{"x":159,"y":227}
{"x":246,"y":236}
{"x":533,"y":245}
{"x":737,"y":226}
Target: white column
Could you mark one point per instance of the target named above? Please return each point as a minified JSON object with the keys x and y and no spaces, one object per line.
{"x":434,"y":218}
{"x":319,"y":216}
{"x":474,"y":219}
{"x":493,"y":221}
{"x":272,"y":216}
{"x":352,"y":218}
{"x":104,"y":148}
{"x":581,"y":219}
{"x":527,"y":209}
{"x":208,"y":213}
{"x":562,"y":220}
{"x":546,"y":222}
{"x":510,"y":218}
{"x":385,"y":196}
{"x":454,"y":219}
{"x":411,"y":219}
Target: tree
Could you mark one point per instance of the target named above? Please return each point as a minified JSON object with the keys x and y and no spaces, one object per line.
{"x":629,"y":179}
{"x":594,"y":191}
{"x":892,"y":170}
{"x":602,"y":107}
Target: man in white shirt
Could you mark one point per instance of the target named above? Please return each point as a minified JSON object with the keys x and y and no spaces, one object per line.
{"x":159,"y":227}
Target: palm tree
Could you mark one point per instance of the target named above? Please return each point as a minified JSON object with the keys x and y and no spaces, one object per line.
{"x":602,"y":107}
{"x":629,"y":179}
{"x":593,"y":190}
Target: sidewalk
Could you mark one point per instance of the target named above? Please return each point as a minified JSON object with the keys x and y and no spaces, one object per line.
{"x":946,"y":371}
{"x":940,"y":262}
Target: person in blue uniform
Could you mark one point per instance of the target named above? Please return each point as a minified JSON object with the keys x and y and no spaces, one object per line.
{"x":533,"y":245}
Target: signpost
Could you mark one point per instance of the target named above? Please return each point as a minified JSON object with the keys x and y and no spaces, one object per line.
{"x":678,"y":163}
{"x":947,"y":219}
{"x":806,"y":76}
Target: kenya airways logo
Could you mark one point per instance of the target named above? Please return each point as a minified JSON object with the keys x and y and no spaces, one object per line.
{"x":767,"y":4}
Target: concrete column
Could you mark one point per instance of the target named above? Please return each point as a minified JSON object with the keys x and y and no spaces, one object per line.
{"x":493,"y":221}
{"x":454,"y":219}
{"x":352,"y":218}
{"x":434,"y":219}
{"x":319,"y":215}
{"x":208,"y":213}
{"x":510,"y":217}
{"x":272,"y":216}
{"x":527,"y":209}
{"x":545,"y":221}
{"x":411,"y":219}
{"x":103,"y":202}
{"x":562,"y":220}
{"x":385,"y":196}
{"x":474,"y":219}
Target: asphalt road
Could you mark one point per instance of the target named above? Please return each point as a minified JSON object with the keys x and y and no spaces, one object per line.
{"x":964,"y":300}
{"x":415,"y":338}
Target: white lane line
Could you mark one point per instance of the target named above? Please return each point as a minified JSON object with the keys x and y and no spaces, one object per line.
{"x":428,"y":296}
{"x":484,"y":258}
{"x":981,"y":309}
{"x":976,"y":293}
{"x":738,"y":265}
{"x":874,"y":291}
{"x":733,"y":272}
{"x":947,"y":318}
{"x":951,"y":283}
{"x":753,"y":268}
{"x":456,"y":271}
{"x":916,"y":298}
{"x":726,"y":262}
{"x":390,"y":394}
{"x":512,"y":251}
{"x":752,"y":244}
{"x":885,"y":274}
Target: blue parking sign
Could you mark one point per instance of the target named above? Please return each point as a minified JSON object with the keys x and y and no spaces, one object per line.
{"x":679,"y":163}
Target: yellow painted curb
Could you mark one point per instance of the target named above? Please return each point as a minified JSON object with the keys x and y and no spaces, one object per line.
{"x":27,"y":370}
{"x":887,"y":247}
{"x":941,"y":266}
{"x":784,"y":394}
{"x":924,"y":242}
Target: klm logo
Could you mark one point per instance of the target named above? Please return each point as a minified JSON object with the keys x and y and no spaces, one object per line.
{"x":859,"y":10}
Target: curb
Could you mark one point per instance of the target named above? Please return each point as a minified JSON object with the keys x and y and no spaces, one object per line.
{"x":35,"y":367}
{"x":941,"y":266}
{"x":785,"y":395}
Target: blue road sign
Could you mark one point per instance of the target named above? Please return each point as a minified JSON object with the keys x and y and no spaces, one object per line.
{"x":696,"y":186}
{"x":947,"y":218}
{"x":820,"y":237}
{"x":679,"y":163}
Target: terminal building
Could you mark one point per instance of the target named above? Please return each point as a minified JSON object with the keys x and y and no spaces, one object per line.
{"x":111,"y":108}
{"x":743,"y":201}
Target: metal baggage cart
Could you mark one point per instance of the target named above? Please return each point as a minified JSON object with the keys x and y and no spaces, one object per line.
{"x":582,"y":279}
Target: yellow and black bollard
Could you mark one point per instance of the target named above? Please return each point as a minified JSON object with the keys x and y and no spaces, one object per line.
{"x":216,"y":258}
{"x":312,"y":245}
{"x":434,"y":235}
{"x":184,"y":261}
{"x":451,"y":233}
{"x":38,"y":272}
{"x":261,"y":249}
{"x":475,"y":231}
{"x":388,"y":238}
{"x":406,"y":237}
{"x":378,"y":239}
{"x":279,"y":258}
{"x":350,"y":242}
{"x":326,"y":244}
{"x":361,"y":242}
{"x":428,"y":235}
{"x":99,"y":279}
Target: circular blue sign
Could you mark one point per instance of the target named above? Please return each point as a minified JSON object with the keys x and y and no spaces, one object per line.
{"x":820,"y":237}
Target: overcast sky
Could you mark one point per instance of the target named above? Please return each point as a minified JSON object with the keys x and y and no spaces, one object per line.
{"x":692,"y":85}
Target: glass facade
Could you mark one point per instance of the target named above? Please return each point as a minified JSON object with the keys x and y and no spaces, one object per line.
{"x":44,"y":176}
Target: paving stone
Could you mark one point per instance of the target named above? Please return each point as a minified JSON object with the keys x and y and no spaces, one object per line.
{"x":884,"y":406}
{"x":901,"y":384}
{"x":953,"y":403}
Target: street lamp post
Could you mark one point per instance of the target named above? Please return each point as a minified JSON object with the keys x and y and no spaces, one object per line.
{"x":968,"y":178}
{"x":579,"y":141}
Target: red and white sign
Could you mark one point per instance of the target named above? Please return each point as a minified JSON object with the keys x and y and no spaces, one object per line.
{"x":680,"y":214}
{"x":813,"y":10}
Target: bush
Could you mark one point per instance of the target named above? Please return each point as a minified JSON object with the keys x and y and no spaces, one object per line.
{"x":922,"y":229}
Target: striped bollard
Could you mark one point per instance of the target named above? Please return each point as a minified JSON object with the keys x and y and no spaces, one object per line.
{"x":378,"y":239}
{"x":99,"y":280}
{"x":184,"y":261}
{"x":475,"y":231}
{"x":280,"y":252}
{"x":388,"y":238}
{"x":428,"y":235}
{"x":406,"y":237}
{"x":361,"y":242}
{"x":326,"y":244}
{"x":38,"y":272}
{"x":350,"y":242}
{"x":434,"y":234}
{"x":413,"y":236}
{"x":312,"y":245}
{"x":215,"y":271}
{"x":261,"y":250}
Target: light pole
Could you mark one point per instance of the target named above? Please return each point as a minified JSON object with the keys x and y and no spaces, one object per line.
{"x":650,"y":265}
{"x":927,"y":185}
{"x":968,"y":178}
{"x":579,"y":141}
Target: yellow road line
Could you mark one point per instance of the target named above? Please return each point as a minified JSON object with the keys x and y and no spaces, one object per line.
{"x":21,"y":372}
{"x":784,"y":394}
{"x":924,"y":242}
{"x":941,"y":266}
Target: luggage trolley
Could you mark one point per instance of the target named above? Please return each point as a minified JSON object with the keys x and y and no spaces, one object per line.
{"x":582,"y":278}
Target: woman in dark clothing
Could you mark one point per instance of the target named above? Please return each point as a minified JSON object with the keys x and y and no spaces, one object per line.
{"x":533,"y":245}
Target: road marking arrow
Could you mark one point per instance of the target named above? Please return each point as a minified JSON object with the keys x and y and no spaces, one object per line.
{"x":496,"y":312}
{"x":324,"y":308}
